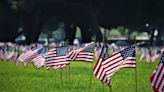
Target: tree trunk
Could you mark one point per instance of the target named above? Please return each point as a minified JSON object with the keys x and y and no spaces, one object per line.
{"x":70,"y":31}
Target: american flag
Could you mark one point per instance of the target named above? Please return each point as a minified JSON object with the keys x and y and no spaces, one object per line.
{"x":2,"y":53}
{"x":143,"y":53}
{"x":84,"y":54}
{"x":12,"y":56}
{"x":156,"y":55}
{"x":104,"y":54}
{"x":30,"y":54}
{"x":56,"y":58}
{"x":121,"y":59}
{"x":6,"y":53}
{"x":21,"y":58}
{"x":157,"y":78}
{"x":39,"y":61}
{"x":97,"y":53}
{"x":112,"y":64}
{"x":149,"y":56}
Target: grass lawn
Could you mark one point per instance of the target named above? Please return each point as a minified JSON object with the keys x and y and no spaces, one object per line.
{"x":20,"y":79}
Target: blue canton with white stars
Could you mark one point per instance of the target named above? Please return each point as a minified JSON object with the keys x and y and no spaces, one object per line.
{"x":61,"y":51}
{"x":128,"y":52}
{"x":162,"y":58}
{"x":41,"y":50}
{"x":89,"y":48}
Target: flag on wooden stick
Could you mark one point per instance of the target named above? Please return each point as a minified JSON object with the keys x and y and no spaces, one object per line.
{"x":99,"y":67}
{"x":157,"y":78}
{"x":39,"y":61}
{"x":124,"y":58}
{"x":105,"y":68}
{"x":56,"y":58}
{"x":30,"y":54}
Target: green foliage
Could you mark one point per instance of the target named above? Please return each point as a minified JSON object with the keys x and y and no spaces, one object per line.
{"x":122,"y":30}
{"x":58,"y":35}
{"x":26,"y":5}
{"x":119,"y":31}
{"x":114,"y":32}
{"x":133,"y":35}
{"x":78,"y":33}
{"x":20,"y":79}
{"x":43,"y":35}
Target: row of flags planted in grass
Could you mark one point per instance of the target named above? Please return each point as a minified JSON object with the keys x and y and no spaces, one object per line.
{"x":150,"y":55}
{"x":106,"y":65}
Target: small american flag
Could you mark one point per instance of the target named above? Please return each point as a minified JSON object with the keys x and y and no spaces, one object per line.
{"x":56,"y":58}
{"x":112,"y":64}
{"x":157,"y":78}
{"x":6,"y":53}
{"x":82,"y":54}
{"x":97,"y":53}
{"x":143,"y":53}
{"x":98,"y":67}
{"x":21,"y":58}
{"x":39,"y":61}
{"x":1,"y":53}
{"x":121,"y":59}
{"x":155,"y":56}
{"x":30,"y":54}
{"x":12,"y":56}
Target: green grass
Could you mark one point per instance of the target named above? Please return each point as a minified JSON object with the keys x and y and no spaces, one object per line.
{"x":20,"y":79}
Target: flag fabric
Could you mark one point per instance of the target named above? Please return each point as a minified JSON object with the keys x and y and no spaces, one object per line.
{"x":157,"y":78}
{"x":86,"y":54}
{"x":1,"y":53}
{"x":6,"y":53}
{"x":21,"y":58}
{"x":30,"y":54}
{"x":73,"y":54}
{"x":56,"y":58}
{"x":143,"y":54}
{"x":99,"y":67}
{"x":107,"y":67}
{"x":149,"y":56}
{"x":156,"y":55}
{"x":33,"y":53}
{"x":83,"y":54}
{"x":121,"y":59}
{"x":49,"y":57}
{"x":162,"y":50}
{"x":12,"y":56}
{"x":39,"y":61}
{"x":97,"y":53}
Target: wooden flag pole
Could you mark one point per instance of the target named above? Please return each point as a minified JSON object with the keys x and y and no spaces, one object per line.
{"x":110,"y":88}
